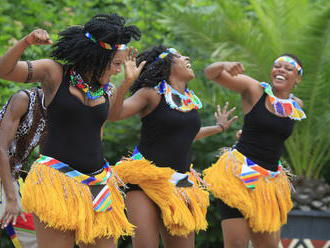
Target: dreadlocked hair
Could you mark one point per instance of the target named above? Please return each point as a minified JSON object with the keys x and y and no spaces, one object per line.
{"x":87,"y":56}
{"x":155,"y":70}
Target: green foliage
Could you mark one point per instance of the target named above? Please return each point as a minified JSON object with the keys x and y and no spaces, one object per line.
{"x":251,"y":31}
{"x":20,"y":17}
{"x":255,"y":32}
{"x":315,"y":147}
{"x":120,"y":138}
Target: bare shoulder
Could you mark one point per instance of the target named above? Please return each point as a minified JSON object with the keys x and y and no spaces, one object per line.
{"x":49,"y":65}
{"x":49,"y":62}
{"x":252,"y":94}
{"x":20,"y":98}
{"x":252,"y":84}
{"x":54,"y":76}
{"x":18,"y":104}
{"x":150,"y":97}
{"x":55,"y":69}
{"x":253,"y":89}
{"x":148,"y":94}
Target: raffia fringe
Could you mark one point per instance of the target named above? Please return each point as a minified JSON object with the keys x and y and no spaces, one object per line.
{"x":265,"y":208}
{"x":183,"y":209}
{"x":65,"y":204}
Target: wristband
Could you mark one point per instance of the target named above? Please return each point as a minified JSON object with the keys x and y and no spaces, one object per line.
{"x":222,"y":126}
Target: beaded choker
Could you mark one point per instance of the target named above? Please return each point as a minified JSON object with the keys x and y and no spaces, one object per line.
{"x":92,"y":94}
{"x":182,"y":102}
{"x":284,"y":107}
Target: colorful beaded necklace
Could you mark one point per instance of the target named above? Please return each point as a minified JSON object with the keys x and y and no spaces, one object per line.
{"x":77,"y":81}
{"x":188,"y":100}
{"x":284,"y":107}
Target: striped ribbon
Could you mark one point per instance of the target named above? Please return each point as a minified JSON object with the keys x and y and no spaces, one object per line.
{"x":251,"y":172}
{"x":12,"y":234}
{"x":176,"y":178}
{"x":98,"y":186}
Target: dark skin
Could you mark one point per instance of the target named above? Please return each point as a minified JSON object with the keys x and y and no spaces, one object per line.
{"x":49,"y":73}
{"x":284,"y":77}
{"x":229,"y":75}
{"x":141,"y":210}
{"x":145,"y":100}
{"x":17,"y":108}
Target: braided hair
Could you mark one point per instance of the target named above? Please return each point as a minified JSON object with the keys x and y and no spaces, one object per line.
{"x":155,"y":70}
{"x":87,"y":56}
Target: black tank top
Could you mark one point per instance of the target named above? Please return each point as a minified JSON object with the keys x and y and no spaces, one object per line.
{"x":263,"y":135}
{"x":167,"y":135}
{"x":74,"y":130}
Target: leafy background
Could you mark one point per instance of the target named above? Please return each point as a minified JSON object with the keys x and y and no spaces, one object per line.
{"x":254,"y":32}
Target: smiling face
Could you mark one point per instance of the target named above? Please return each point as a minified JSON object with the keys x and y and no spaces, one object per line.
{"x":284,"y":76}
{"x":181,"y":67}
{"x":114,"y":66}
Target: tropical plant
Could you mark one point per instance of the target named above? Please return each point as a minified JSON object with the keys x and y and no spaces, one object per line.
{"x":19,"y":17}
{"x":255,"y":32}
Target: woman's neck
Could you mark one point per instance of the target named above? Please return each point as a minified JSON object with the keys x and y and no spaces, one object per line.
{"x":281,"y":94}
{"x":179,"y":85}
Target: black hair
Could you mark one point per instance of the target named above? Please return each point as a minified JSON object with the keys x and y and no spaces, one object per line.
{"x":87,"y":56}
{"x":155,"y":70}
{"x":294,"y":57}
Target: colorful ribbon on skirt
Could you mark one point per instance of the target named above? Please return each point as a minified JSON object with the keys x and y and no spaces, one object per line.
{"x":178,"y":179}
{"x":98,"y":187}
{"x":251,"y":172}
{"x":12,"y":234}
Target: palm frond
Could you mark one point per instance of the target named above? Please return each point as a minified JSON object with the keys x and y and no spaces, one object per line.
{"x":255,"y":32}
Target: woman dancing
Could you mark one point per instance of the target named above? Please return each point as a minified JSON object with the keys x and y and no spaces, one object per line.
{"x":70,"y":188}
{"x":166,"y":196}
{"x":249,"y":179}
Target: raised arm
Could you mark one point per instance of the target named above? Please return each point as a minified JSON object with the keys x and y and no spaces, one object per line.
{"x":21,"y":71}
{"x":16,"y":109}
{"x":46,"y":71}
{"x":222,"y":122}
{"x":229,"y":75}
{"x":140,"y":103}
{"x":132,"y":72}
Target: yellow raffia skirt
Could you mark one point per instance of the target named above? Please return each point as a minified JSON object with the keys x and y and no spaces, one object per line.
{"x":183,"y":210}
{"x":65,"y":204}
{"x":265,"y":208}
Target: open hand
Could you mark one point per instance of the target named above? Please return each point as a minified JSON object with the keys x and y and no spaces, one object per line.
{"x":12,"y":211}
{"x":222,"y":117}
{"x":38,"y":37}
{"x":132,"y":71}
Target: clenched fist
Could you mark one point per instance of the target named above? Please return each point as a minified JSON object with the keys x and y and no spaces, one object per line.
{"x":38,"y":37}
{"x":233,"y":68}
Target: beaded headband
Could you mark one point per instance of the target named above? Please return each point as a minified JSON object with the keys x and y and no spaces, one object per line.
{"x":167,"y":52}
{"x":292,"y":62}
{"x":106,"y":45}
